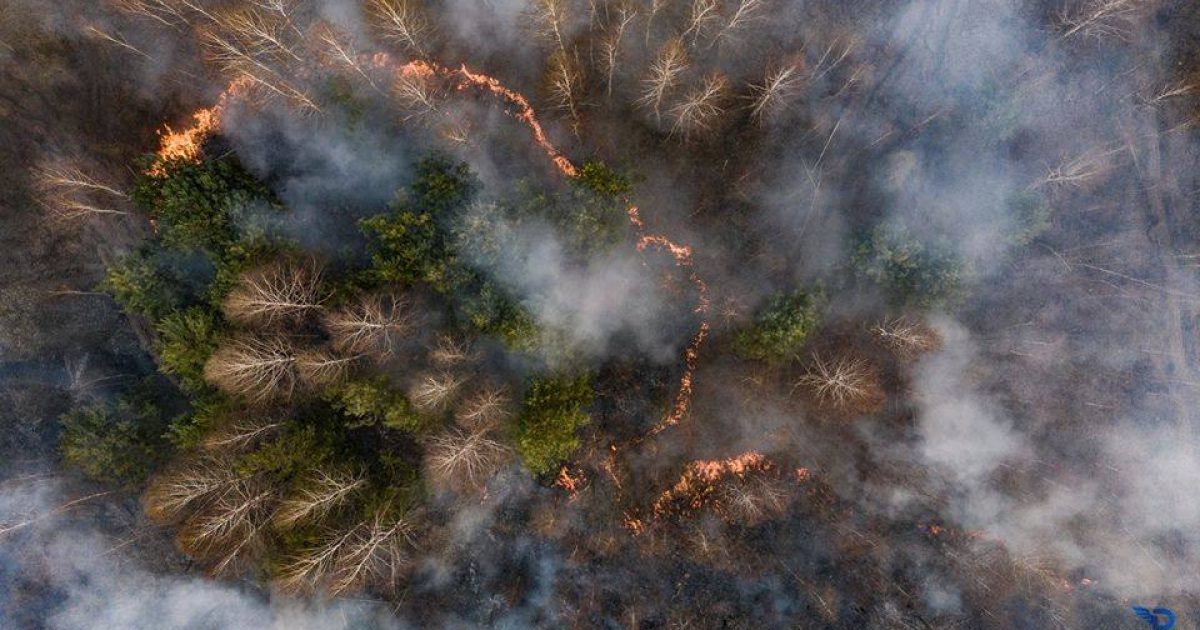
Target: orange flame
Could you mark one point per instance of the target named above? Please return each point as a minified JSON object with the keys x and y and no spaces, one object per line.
{"x":185,"y":145}
{"x":696,"y":483}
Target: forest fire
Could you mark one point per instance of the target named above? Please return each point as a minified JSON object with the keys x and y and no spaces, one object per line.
{"x":185,"y":144}
{"x":697,"y":484}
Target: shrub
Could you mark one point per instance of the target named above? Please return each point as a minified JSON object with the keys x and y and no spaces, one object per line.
{"x":141,"y":285}
{"x":781,"y":327}
{"x":118,"y":442}
{"x":913,"y":271}
{"x":551,"y":412}
{"x":186,"y":339}
{"x":373,"y":401}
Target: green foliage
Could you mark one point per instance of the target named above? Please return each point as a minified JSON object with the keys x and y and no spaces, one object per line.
{"x":209,"y":408}
{"x":782,"y":326}
{"x":1030,"y":215}
{"x":186,"y":339}
{"x":372,"y":401}
{"x":195,"y":203}
{"x":144,"y":286}
{"x":913,"y":271}
{"x":553,"y":409}
{"x":441,"y":186}
{"x":602,"y":180}
{"x":410,"y":249}
{"x":297,"y":450}
{"x":118,"y":442}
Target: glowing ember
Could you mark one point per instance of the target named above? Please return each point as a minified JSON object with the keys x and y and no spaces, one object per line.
{"x":570,"y":483}
{"x":696,"y":483}
{"x":185,"y":145}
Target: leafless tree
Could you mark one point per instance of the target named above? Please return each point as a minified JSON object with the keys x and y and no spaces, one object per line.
{"x":68,"y":193}
{"x":745,"y":13}
{"x":372,"y":325}
{"x":242,"y":432}
{"x":225,"y":530}
{"x":1074,"y":172}
{"x":665,"y":72}
{"x":753,"y":498}
{"x":338,"y":50}
{"x":416,"y":93}
{"x":906,"y":336}
{"x":275,"y":292}
{"x":550,"y":20}
{"x":610,"y":46}
{"x":463,"y":461}
{"x":402,"y":22}
{"x":564,"y":84}
{"x":170,"y":13}
{"x":320,"y":367}
{"x":374,"y":552}
{"x":844,"y":383}
{"x":1100,"y":18}
{"x":702,"y":13}
{"x":175,"y":493}
{"x":701,"y":108}
{"x":778,"y":86}
{"x":257,"y":368}
{"x":256,"y":48}
{"x":435,"y":391}
{"x":484,"y":410}
{"x":318,"y":493}
{"x":451,"y":351}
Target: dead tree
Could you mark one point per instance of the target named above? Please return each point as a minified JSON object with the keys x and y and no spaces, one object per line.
{"x":702,"y":13}
{"x":416,"y":92}
{"x":243,"y":432}
{"x":450,"y":351}
{"x":317,"y":495}
{"x":745,"y":12}
{"x":610,"y":46}
{"x":171,"y":13}
{"x":564,"y":84}
{"x":484,"y":410}
{"x":550,"y":21}
{"x":259,"y":369}
{"x":174,"y":494}
{"x":435,"y":391}
{"x":373,"y":325}
{"x":778,"y":87}
{"x":753,"y":499}
{"x":906,"y":337}
{"x":843,"y":383}
{"x":701,"y":109}
{"x":665,"y":72}
{"x":276,"y":292}
{"x":401,"y":22}
{"x":69,"y":194}
{"x":1101,"y":18}
{"x":338,"y":51}
{"x":318,"y":368}
{"x":230,"y":527}
{"x":252,"y":47}
{"x":374,"y":552}
{"x":1074,"y":172}
{"x":463,"y":461}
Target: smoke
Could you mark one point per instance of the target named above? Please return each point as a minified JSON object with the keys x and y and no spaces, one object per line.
{"x":62,"y":571}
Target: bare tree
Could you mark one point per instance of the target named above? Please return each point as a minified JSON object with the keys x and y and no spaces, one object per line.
{"x":564,"y":84}
{"x":665,"y":73}
{"x":702,"y":13}
{"x":745,"y":12}
{"x":844,"y":383}
{"x":175,"y":493}
{"x":1100,"y":18}
{"x":463,"y":461}
{"x":372,"y":325}
{"x":905,"y":336}
{"x":610,"y":46}
{"x":1074,"y":172}
{"x":170,"y":13}
{"x":275,"y":292}
{"x":451,"y":351}
{"x":484,"y":410}
{"x":242,"y":432}
{"x":68,"y":193}
{"x":253,"y":47}
{"x":550,"y":20}
{"x":339,"y":50}
{"x":374,"y":552}
{"x":435,"y":391}
{"x":257,"y":368}
{"x":227,"y":529}
{"x":416,"y":92}
{"x":778,"y":86}
{"x":753,"y":498}
{"x":402,"y":22}
{"x":701,"y":108}
{"x":320,"y":367}
{"x":318,"y":493}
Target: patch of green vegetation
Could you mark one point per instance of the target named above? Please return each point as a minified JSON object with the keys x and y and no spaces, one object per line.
{"x":185,"y":341}
{"x":782,"y":326}
{"x":553,"y":410}
{"x":117,"y":442}
{"x":143,"y":285}
{"x":913,"y":271}
{"x":1030,"y":215}
{"x":372,"y":401}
